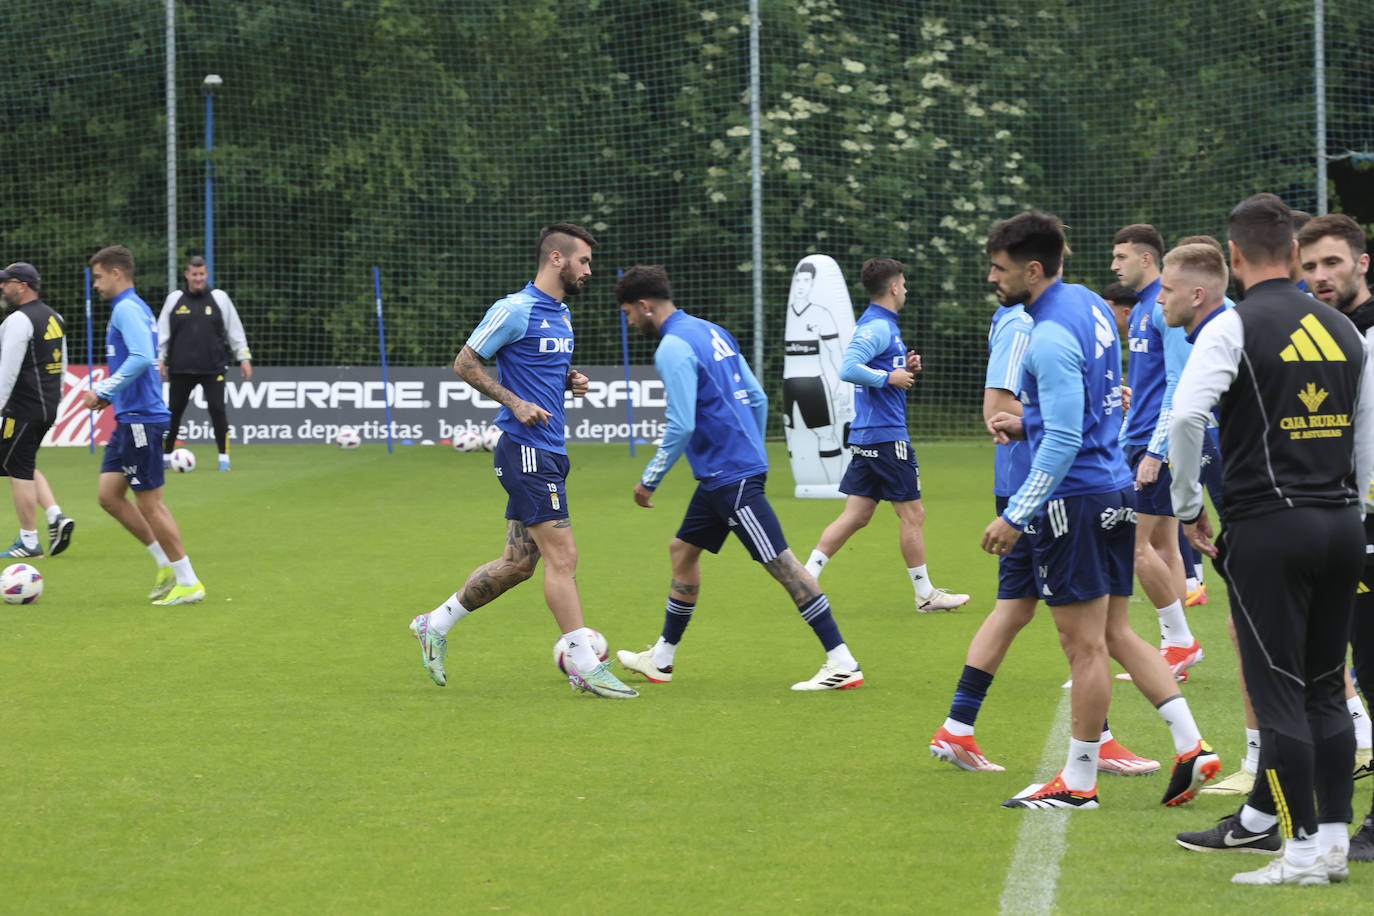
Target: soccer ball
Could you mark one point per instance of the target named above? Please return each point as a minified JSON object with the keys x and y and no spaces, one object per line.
{"x":348,"y":438}
{"x":21,"y":584}
{"x":560,"y":650}
{"x":182,"y":460}
{"x":467,"y":439}
{"x":491,"y":437}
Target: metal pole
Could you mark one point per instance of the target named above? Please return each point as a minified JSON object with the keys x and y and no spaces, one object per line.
{"x":171,"y":145}
{"x":209,"y":188}
{"x":756,"y":178}
{"x":90,"y":355}
{"x":381,"y":345}
{"x":1319,"y":68}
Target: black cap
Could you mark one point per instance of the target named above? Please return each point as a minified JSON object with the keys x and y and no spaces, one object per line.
{"x":21,"y":271}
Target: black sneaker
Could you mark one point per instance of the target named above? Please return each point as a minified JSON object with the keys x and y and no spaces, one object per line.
{"x":1362,"y":843}
{"x":60,"y":534}
{"x":19,"y":551}
{"x":1229,"y":835}
{"x":1054,"y":794}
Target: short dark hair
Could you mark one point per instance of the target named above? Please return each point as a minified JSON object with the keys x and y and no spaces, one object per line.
{"x":1339,"y":225}
{"x":195,"y":260}
{"x":879,"y":273}
{"x":1300,"y":218}
{"x":805,"y":268}
{"x":1117,"y":294}
{"x":1142,"y":234}
{"x":1201,"y":240}
{"x":115,"y":256}
{"x":1030,"y":236}
{"x":1261,"y":226}
{"x":643,"y":282}
{"x":555,"y":237}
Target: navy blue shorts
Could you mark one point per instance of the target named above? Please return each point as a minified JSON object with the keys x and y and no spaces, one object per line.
{"x":1084,"y":547}
{"x":1016,"y":567}
{"x":883,"y":470}
{"x":135,"y":450}
{"x":535,"y":480}
{"x":739,"y":507}
{"x":1152,"y":499}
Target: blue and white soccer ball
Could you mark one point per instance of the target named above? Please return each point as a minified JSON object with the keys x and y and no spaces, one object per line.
{"x":560,"y":650}
{"x":491,"y":437}
{"x":348,"y":437}
{"x":182,"y":460}
{"x":20,"y":583}
{"x":467,"y":439}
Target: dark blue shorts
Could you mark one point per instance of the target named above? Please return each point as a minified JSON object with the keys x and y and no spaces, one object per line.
{"x":1016,"y":568}
{"x":1084,"y":547}
{"x":883,"y":470}
{"x":135,"y":450}
{"x":1152,"y":499}
{"x":739,"y":507}
{"x":1211,"y":466}
{"x":535,"y":480}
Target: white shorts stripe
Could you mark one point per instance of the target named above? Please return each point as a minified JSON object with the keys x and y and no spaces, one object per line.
{"x":762,"y":546}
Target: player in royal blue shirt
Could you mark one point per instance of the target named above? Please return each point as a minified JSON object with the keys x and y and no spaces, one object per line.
{"x":1078,"y":492}
{"x":530,"y":334}
{"x":133,"y":457}
{"x":1158,"y":353}
{"x":716,"y":415}
{"x":882,"y":463}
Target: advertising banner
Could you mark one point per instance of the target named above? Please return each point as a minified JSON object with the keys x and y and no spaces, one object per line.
{"x":300,"y":404}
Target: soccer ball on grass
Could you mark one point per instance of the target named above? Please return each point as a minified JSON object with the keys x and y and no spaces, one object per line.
{"x":182,"y":460}
{"x":348,"y":437}
{"x":561,"y":656}
{"x":467,"y":439}
{"x":20,"y":583}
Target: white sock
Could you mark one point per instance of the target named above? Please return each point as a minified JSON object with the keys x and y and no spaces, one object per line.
{"x":1302,"y":853}
{"x":223,"y":456}
{"x":1106,"y":736}
{"x":840,"y":655}
{"x":580,"y":648}
{"x":663,"y":653}
{"x":443,"y":617}
{"x":185,"y":574}
{"x":1080,"y":770}
{"x":1252,"y":751}
{"x":1199,"y":572}
{"x":816,"y":563}
{"x":920,"y":580}
{"x":1255,"y":820}
{"x":958,"y":729}
{"x":1363,"y":737}
{"x":1190,"y":584}
{"x":1329,"y":835}
{"x":1173,"y":626}
{"x":53,"y":512}
{"x":29,"y":538}
{"x":1179,"y":718}
{"x":159,"y":554}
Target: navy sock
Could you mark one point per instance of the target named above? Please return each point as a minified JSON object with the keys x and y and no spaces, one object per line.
{"x":816,"y":612}
{"x":675,"y":619}
{"x":969,"y":695}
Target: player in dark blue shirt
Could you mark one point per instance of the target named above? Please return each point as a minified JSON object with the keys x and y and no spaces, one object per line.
{"x":882,"y":464}
{"x":1078,"y":492}
{"x":716,"y":416}
{"x":133,"y":457}
{"x":530,"y":334}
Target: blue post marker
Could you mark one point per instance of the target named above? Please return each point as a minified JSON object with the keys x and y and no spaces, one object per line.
{"x":90,"y":355}
{"x":381,"y":342}
{"x":625,"y":356}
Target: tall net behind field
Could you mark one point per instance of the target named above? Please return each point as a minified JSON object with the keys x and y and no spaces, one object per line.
{"x":434,"y":139}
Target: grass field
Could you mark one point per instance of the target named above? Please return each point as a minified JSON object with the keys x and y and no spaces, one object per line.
{"x":279,"y":748}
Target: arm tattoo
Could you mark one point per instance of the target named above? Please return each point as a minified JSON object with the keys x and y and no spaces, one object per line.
{"x":472,"y":370}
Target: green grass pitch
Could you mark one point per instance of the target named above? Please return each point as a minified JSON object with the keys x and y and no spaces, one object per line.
{"x":278,"y":748}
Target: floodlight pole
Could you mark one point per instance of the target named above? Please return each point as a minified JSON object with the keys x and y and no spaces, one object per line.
{"x":1319,"y":81}
{"x":170,"y":40}
{"x":211,"y":83}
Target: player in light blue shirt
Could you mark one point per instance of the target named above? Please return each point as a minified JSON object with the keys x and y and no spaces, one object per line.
{"x":717,"y":412}
{"x":1079,"y":494}
{"x":1158,"y":353}
{"x":530,"y":334}
{"x":883,"y":465}
{"x":133,"y":457}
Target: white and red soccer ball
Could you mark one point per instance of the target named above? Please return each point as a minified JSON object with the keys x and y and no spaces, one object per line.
{"x":491,"y":437}
{"x":21,"y":583}
{"x":467,"y":439}
{"x":182,"y":460}
{"x":561,"y":657}
{"x":348,"y":437}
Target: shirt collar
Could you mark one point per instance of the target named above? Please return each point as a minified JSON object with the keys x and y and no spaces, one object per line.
{"x":1202,"y":324}
{"x":1044,"y":296}
{"x":542,"y":296}
{"x":1150,"y":294}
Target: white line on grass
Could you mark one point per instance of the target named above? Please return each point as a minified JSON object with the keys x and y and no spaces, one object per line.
{"x":1034,"y":872}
